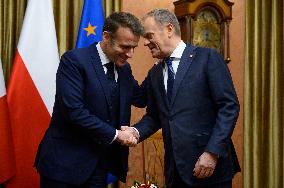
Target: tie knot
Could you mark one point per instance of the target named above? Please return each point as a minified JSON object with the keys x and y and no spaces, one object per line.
{"x":110,"y":71}
{"x":169,"y":61}
{"x":110,"y":66}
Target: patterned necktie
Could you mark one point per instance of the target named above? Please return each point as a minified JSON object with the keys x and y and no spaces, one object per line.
{"x":171,"y":77}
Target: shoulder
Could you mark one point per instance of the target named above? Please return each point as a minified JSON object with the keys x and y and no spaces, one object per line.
{"x":80,"y":52}
{"x":205,"y":54}
{"x":198,"y":49}
{"x":79,"y":55}
{"x":203,"y":50}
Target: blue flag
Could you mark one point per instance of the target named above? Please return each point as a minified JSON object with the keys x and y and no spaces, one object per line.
{"x":90,"y":31}
{"x":92,"y":22}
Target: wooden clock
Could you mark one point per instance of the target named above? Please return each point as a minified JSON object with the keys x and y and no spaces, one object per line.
{"x":206,"y":23}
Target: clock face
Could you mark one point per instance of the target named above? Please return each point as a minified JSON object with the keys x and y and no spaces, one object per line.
{"x":207,"y":30}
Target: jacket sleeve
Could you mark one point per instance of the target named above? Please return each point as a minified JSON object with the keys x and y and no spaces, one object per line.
{"x":226,"y":102}
{"x":70,"y":93}
{"x":139,"y":95}
{"x":150,"y":123}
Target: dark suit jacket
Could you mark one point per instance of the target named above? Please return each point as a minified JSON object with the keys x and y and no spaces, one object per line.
{"x":79,"y":130}
{"x":201,"y":116}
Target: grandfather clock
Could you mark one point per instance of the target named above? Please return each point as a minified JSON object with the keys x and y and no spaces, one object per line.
{"x":206,"y":23}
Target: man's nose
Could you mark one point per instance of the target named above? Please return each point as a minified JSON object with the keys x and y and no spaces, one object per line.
{"x":146,"y":42}
{"x":130,"y":53}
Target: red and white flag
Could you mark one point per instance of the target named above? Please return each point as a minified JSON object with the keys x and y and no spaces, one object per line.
{"x":31,"y":89}
{"x":7,"y":157}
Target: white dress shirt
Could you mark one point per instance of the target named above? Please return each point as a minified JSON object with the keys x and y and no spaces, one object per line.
{"x":105,"y":60}
{"x":176,"y":55}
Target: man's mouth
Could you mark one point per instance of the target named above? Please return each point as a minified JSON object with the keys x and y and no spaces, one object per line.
{"x":123,"y":60}
{"x":152,"y":49}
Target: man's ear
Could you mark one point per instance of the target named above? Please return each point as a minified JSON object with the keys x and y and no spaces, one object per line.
{"x":170,"y":29}
{"x":106,"y":36}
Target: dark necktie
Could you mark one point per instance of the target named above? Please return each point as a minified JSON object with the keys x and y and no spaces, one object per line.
{"x":110,"y":71}
{"x":171,"y":77}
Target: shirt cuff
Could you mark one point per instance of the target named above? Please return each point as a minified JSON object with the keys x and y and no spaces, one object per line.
{"x":136,"y":131}
{"x":115,"y":136}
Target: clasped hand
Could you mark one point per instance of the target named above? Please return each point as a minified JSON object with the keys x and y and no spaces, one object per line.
{"x":128,"y":136}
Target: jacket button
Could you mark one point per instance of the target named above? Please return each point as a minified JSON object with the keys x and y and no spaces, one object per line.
{"x":108,"y":120}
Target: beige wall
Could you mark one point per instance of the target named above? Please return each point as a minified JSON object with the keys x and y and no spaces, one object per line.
{"x":142,"y":62}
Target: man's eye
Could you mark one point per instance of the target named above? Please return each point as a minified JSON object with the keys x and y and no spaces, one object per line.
{"x":127,"y":47}
{"x":148,"y":36}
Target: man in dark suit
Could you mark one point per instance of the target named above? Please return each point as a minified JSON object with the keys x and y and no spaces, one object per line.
{"x":192,"y":98}
{"x":94,"y":91}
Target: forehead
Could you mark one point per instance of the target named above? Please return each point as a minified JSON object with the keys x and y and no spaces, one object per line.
{"x":125,"y":34}
{"x":150,"y":25}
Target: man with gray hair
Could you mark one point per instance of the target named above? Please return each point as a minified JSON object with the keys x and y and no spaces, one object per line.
{"x":192,"y":98}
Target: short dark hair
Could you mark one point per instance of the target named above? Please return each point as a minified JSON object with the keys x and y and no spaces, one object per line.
{"x":164,"y":16}
{"x":123,"y":19}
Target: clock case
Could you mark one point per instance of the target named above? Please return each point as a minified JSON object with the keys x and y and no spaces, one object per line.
{"x":206,"y":23}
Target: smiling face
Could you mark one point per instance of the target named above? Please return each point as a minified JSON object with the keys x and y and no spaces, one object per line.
{"x":120,"y":45}
{"x":157,"y":38}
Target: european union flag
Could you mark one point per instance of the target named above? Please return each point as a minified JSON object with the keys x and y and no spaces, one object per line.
{"x":92,"y":22}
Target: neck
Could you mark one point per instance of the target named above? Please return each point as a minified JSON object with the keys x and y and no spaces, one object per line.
{"x":103,"y":46}
{"x":173,"y":44}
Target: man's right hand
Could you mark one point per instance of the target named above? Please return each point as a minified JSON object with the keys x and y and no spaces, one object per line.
{"x":132,"y":129}
{"x":127,"y":136}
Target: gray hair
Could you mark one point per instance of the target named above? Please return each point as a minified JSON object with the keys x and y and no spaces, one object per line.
{"x":164,"y":16}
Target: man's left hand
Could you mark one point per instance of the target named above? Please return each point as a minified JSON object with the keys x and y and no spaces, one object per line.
{"x":205,"y":165}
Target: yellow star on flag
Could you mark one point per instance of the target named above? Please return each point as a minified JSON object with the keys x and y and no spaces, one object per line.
{"x":90,"y":29}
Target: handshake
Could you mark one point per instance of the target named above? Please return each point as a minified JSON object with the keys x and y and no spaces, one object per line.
{"x":128,"y":136}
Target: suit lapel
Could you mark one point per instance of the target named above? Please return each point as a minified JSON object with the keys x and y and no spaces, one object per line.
{"x":184,"y":64}
{"x":100,"y":72}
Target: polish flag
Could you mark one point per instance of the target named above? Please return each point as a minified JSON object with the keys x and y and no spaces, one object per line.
{"x":31,"y":89}
{"x":7,"y":157}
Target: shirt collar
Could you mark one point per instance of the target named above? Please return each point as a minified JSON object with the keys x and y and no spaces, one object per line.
{"x":177,"y":53}
{"x":103,"y":57}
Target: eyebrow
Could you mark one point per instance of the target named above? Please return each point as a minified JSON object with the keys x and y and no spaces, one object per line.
{"x":128,"y":45}
{"x":148,"y":33}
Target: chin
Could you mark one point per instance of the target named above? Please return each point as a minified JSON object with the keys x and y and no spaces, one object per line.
{"x":121,"y":64}
{"x":155,"y":56}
